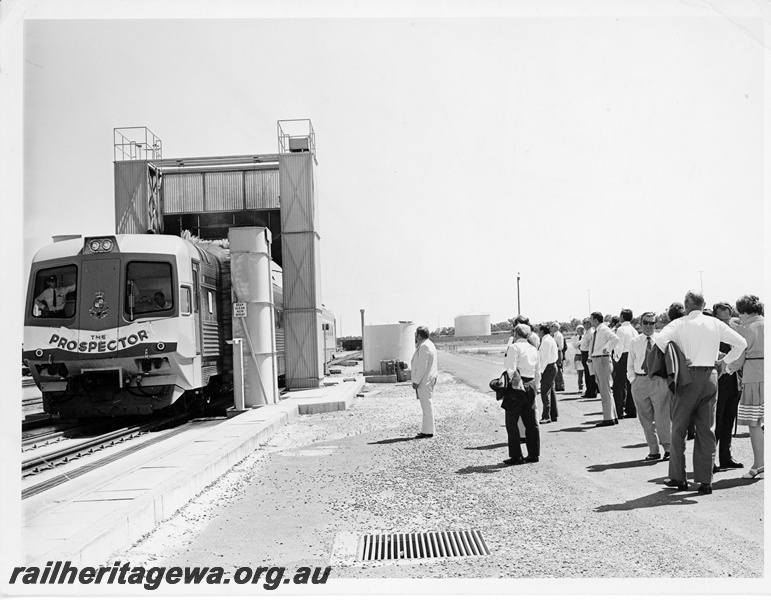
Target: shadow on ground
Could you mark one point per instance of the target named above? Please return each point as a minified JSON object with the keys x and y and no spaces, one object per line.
{"x":394,"y":440}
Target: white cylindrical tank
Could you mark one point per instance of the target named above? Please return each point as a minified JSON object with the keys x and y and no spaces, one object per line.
{"x":477,"y":324}
{"x":390,"y":341}
{"x":252,"y":285}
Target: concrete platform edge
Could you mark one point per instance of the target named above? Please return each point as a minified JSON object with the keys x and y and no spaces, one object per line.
{"x":127,"y":525}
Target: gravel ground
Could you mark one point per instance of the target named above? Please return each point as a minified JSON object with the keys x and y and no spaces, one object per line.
{"x":575,"y":514}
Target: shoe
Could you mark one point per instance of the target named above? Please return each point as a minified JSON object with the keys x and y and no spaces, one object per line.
{"x":606,"y":423}
{"x":615,"y":421}
{"x":681,"y":486}
{"x":544,"y":421}
{"x":705,"y":488}
{"x":666,"y":456}
{"x":655,"y":456}
{"x":753,"y":473}
{"x":531,"y":459}
{"x":554,"y":420}
{"x":715,"y":469}
{"x":731,"y":464}
{"x":514,"y":461}
{"x":422,"y":435}
{"x":589,"y":396}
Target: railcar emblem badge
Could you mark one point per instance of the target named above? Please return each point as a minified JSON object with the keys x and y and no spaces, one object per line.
{"x":99,"y":310}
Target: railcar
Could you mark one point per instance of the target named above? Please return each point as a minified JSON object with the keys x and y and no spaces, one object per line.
{"x":130,"y":324}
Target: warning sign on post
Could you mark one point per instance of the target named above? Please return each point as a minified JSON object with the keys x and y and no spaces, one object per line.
{"x":239,"y":309}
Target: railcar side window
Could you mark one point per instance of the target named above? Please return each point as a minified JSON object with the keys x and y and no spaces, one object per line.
{"x":149,"y":288}
{"x":54,"y":293}
{"x":185,"y":304}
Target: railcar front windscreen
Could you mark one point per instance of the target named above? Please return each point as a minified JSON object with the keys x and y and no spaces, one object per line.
{"x":54,"y":293}
{"x":149,"y":287}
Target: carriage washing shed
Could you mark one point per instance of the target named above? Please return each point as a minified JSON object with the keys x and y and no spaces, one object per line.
{"x":208,"y":196}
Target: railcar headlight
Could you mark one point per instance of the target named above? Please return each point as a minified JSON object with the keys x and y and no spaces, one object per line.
{"x":95,"y":245}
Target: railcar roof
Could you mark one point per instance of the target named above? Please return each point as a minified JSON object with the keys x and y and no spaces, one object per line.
{"x":128,"y":242}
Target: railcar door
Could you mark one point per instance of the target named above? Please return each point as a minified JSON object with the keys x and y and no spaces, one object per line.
{"x":99,"y":310}
{"x":197,"y":305}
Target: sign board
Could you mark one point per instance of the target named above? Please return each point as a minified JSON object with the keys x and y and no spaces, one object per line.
{"x":239,"y":309}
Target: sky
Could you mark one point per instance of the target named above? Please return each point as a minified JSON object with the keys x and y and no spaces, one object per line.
{"x":612,"y":159}
{"x":610,"y":153}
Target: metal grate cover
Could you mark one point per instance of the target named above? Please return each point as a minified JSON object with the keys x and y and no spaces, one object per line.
{"x":433,"y":544}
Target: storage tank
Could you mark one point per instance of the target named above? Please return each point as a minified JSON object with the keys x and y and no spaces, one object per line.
{"x":476,"y":324}
{"x":390,"y":341}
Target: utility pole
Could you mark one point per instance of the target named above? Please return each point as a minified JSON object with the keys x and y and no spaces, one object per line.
{"x":363,"y":362}
{"x":519,"y":310}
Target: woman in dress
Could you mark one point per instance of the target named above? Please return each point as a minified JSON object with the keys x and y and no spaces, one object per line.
{"x":750,"y":310}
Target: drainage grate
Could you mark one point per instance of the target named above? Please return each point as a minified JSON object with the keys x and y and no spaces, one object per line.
{"x":434,"y":544}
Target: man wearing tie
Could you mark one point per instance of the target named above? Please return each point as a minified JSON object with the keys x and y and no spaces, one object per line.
{"x":603,"y":343}
{"x":651,"y":395}
{"x":625,"y":407}
{"x":698,"y":337}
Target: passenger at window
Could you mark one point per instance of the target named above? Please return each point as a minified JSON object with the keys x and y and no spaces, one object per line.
{"x":159,"y":301}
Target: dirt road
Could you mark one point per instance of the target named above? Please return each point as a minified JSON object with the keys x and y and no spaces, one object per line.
{"x":591,"y":508}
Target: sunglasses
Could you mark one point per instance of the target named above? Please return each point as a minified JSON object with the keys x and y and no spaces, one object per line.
{"x":649,"y":322}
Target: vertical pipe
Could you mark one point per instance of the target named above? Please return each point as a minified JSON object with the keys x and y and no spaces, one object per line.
{"x":238,"y":373}
{"x":252,"y":284}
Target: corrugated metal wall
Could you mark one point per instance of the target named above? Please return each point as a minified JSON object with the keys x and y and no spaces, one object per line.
{"x":298,"y":210}
{"x":224,"y":191}
{"x":301,"y":268}
{"x":131,"y":195}
{"x":261,"y":189}
{"x":182,"y":193}
{"x":303,"y":347}
{"x":301,"y":264}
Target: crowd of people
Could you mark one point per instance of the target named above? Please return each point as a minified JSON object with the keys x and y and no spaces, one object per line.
{"x":695,"y":377}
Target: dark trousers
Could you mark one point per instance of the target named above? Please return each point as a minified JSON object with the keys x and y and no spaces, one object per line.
{"x":591,"y":384}
{"x":523,"y":406}
{"x":696,"y":400}
{"x":559,"y":380}
{"x":548,"y":396}
{"x":622,"y":390}
{"x":728,"y":395}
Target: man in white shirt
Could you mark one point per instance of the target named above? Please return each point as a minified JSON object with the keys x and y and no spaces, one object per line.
{"x":698,"y":337}
{"x":651,"y":395}
{"x":52,"y":300}
{"x":423,"y":375}
{"x":547,"y":357}
{"x":622,"y":391}
{"x":586,"y":345}
{"x":603,"y":343}
{"x":522,"y":357}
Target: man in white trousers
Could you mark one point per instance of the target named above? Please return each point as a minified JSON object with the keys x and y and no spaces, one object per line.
{"x":424,"y":372}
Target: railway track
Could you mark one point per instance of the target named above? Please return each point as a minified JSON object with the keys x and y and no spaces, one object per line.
{"x":57,"y":457}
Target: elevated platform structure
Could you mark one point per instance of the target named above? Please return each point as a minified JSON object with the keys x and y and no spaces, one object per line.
{"x":208,"y":195}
